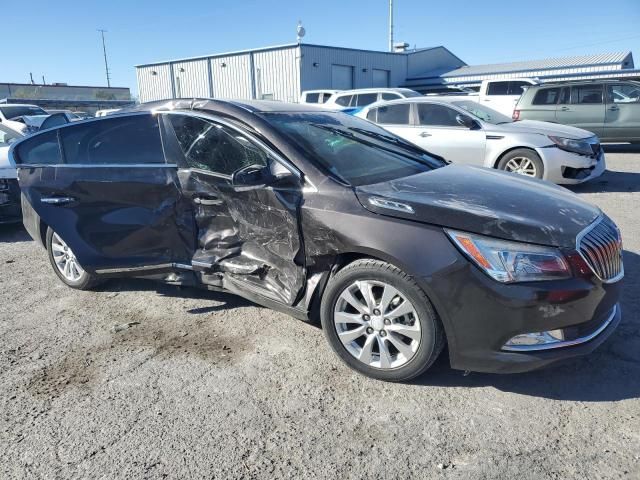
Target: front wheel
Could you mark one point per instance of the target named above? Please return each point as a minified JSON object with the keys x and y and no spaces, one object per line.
{"x":523,"y":161}
{"x":66,"y":265}
{"x":380,"y":322}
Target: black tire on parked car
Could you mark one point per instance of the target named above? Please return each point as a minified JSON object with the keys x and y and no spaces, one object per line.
{"x":523,"y":161}
{"x":65,"y":264}
{"x":380,"y":322}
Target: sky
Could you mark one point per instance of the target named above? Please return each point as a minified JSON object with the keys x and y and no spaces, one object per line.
{"x":59,"y":38}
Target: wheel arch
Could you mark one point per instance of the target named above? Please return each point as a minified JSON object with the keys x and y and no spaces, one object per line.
{"x":496,"y":161}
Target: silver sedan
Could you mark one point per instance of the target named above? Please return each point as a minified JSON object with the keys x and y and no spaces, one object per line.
{"x":465,"y":132}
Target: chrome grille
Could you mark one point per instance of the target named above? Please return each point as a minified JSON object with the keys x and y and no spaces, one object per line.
{"x":601,"y":247}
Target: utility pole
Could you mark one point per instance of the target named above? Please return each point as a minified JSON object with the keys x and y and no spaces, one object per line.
{"x":391,"y":25}
{"x":106,"y":64}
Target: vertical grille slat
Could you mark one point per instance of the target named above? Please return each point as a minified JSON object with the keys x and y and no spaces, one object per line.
{"x":601,"y":247}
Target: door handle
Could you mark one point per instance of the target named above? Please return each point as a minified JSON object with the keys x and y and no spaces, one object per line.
{"x":57,"y":200}
{"x":424,"y":134}
{"x":207,"y":201}
{"x":614,"y":109}
{"x":564,"y":109}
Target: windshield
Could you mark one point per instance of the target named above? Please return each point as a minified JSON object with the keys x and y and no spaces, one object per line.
{"x":485,"y":114}
{"x":13,"y":111}
{"x":353,"y":149}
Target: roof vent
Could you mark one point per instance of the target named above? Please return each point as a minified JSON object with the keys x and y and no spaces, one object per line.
{"x":400,"y":47}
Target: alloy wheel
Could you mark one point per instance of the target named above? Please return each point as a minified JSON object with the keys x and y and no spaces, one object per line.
{"x":377,"y":324}
{"x":522,"y":166}
{"x":65,"y":259}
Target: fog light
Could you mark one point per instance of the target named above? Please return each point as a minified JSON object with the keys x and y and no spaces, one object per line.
{"x":525,"y":340}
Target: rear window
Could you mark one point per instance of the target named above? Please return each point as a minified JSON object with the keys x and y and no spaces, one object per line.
{"x":312,"y":97}
{"x":586,"y":94}
{"x":498,"y":88}
{"x":42,"y":149}
{"x":394,"y":114}
{"x":120,"y":140}
{"x":365,"y":99}
{"x":344,"y":100}
{"x":547,"y":96}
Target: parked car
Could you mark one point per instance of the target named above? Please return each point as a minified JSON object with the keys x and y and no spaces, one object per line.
{"x":318,"y":213}
{"x":609,"y":108}
{"x":9,"y":189}
{"x":9,"y":112}
{"x":107,"y":111}
{"x":352,"y":101}
{"x":500,"y":95}
{"x":466,"y":132}
{"x":316,"y":96}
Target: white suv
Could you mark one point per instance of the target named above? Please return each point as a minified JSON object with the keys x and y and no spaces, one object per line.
{"x":353,"y":101}
{"x":316,"y":96}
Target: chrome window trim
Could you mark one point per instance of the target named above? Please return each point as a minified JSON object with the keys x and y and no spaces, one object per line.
{"x":97,"y":165}
{"x":579,"y":238}
{"x":565,"y":343}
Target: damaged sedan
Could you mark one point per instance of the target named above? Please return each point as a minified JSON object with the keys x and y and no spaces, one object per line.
{"x":326,"y":216}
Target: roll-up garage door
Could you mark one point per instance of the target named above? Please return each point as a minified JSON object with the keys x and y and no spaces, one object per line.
{"x":380,"y":78}
{"x":341,"y":77}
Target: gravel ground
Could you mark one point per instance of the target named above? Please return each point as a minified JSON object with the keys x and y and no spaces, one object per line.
{"x":207,"y":385}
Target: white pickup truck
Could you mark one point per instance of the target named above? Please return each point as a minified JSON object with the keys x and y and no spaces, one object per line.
{"x":501,"y":95}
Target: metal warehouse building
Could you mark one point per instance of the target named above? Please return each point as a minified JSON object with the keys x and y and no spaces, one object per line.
{"x":281,"y":73}
{"x":583,"y":67}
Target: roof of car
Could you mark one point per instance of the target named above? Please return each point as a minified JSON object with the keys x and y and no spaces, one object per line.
{"x":443,"y":99}
{"x":373,"y":90}
{"x":253,"y":106}
{"x":582,"y":82}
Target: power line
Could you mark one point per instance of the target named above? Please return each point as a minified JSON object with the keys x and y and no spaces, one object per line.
{"x":106,"y":64}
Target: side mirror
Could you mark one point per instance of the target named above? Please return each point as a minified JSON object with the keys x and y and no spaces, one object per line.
{"x":466,"y":121}
{"x":251,"y":176}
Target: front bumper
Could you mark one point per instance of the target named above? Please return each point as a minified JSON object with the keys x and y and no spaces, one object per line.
{"x":10,"y":209}
{"x":480,"y":315}
{"x":566,"y":168}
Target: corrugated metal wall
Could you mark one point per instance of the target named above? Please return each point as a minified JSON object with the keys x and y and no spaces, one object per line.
{"x":315,"y":69}
{"x":154,"y":82}
{"x":277,"y":74}
{"x":191,"y":79}
{"x":270,"y":73}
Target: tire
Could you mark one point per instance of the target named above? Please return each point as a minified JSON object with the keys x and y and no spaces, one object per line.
{"x":524,"y":157}
{"x":77,"y":277}
{"x":421,"y":348}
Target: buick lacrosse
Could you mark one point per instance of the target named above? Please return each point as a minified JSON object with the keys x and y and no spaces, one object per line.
{"x":326,"y":216}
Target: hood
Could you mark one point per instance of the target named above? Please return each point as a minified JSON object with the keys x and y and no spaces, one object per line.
{"x":541,"y":128}
{"x":488,"y":202}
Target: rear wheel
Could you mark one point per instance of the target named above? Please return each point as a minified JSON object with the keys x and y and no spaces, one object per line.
{"x":523,"y":161}
{"x":380,"y":322}
{"x":66,"y":265}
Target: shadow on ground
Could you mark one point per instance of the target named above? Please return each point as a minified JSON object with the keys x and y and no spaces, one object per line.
{"x":610,"y":181}
{"x":13,"y":232}
{"x":607,"y":374}
{"x":621,"y":148}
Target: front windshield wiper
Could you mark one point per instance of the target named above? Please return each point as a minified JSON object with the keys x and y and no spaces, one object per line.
{"x":391,"y":139}
{"x":422,"y":158}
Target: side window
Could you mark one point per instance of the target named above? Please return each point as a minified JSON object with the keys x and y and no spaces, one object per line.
{"x":124,"y":140}
{"x":623,"y":93}
{"x":214,"y":148}
{"x":498,"y":88}
{"x":324,"y":97}
{"x":517,"y":87}
{"x":312,"y":97}
{"x":372,"y":115}
{"x":344,"y":100}
{"x":42,"y":149}
{"x":394,"y":114}
{"x":546,"y":96}
{"x":437,"y":115}
{"x":389,"y":96}
{"x":565,"y":96}
{"x":586,"y":94}
{"x":365,"y":99}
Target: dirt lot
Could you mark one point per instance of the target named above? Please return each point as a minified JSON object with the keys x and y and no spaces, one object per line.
{"x":210,"y":386}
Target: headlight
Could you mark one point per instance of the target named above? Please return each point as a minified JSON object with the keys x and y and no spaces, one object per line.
{"x":583,"y":146}
{"x":509,"y":262}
